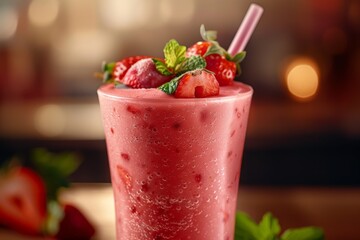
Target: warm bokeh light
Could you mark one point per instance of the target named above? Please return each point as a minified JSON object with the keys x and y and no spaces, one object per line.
{"x":85,"y":48}
{"x":43,"y":13}
{"x":8,"y":23}
{"x":180,"y":13}
{"x":120,"y":14}
{"x":68,"y":120}
{"x":125,"y":15}
{"x":302,"y":79}
{"x":49,"y":120}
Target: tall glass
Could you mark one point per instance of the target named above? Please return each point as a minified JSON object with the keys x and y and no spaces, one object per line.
{"x":175,"y":163}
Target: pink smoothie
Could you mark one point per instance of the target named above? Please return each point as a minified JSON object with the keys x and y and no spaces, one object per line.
{"x":175,"y":163}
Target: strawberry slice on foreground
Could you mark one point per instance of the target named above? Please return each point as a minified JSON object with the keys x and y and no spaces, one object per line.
{"x":22,"y":201}
{"x":198,"y":83}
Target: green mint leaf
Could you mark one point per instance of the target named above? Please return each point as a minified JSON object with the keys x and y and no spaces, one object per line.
{"x":246,"y":228}
{"x":269,"y":227}
{"x":54,"y":168}
{"x":192,"y":63}
{"x":174,"y":54}
{"x":305,"y":233}
{"x":161,"y":67}
{"x":170,"y":87}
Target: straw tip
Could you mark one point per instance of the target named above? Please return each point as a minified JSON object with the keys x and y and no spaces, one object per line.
{"x":256,"y":7}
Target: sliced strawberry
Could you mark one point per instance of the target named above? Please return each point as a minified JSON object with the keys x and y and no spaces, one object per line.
{"x":197,"y":83}
{"x":223,"y":69}
{"x":74,"y":225}
{"x":22,"y":200}
{"x":143,"y":74}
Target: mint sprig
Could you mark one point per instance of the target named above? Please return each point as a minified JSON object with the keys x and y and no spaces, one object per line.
{"x":174,"y":54}
{"x":269,"y":229}
{"x":170,"y":87}
{"x":176,"y":64}
{"x":192,"y":63}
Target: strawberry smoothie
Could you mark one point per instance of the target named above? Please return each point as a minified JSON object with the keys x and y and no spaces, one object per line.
{"x":175,"y":162}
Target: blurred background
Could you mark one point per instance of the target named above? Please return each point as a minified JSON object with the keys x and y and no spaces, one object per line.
{"x":303,"y":62}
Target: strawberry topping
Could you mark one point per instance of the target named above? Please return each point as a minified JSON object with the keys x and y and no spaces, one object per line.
{"x":223,"y":69}
{"x":121,"y":67}
{"x":197,"y":83}
{"x":143,"y":74}
{"x":181,"y":72}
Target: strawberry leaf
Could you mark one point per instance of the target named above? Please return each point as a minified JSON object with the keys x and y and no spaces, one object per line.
{"x":239,"y":57}
{"x":207,"y":35}
{"x":305,"y":233}
{"x":107,"y":69}
{"x":215,"y":48}
{"x":54,"y":169}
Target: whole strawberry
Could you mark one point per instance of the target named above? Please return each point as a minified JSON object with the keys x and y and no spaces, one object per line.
{"x":218,"y":61}
{"x":115,"y":71}
{"x":143,"y":74}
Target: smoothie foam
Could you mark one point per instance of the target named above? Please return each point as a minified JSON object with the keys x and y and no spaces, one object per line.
{"x":175,"y":163}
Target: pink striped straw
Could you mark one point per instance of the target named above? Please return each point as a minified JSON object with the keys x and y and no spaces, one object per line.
{"x":246,"y":29}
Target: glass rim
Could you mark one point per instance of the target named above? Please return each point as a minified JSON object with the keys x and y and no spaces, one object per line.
{"x":107,"y":91}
